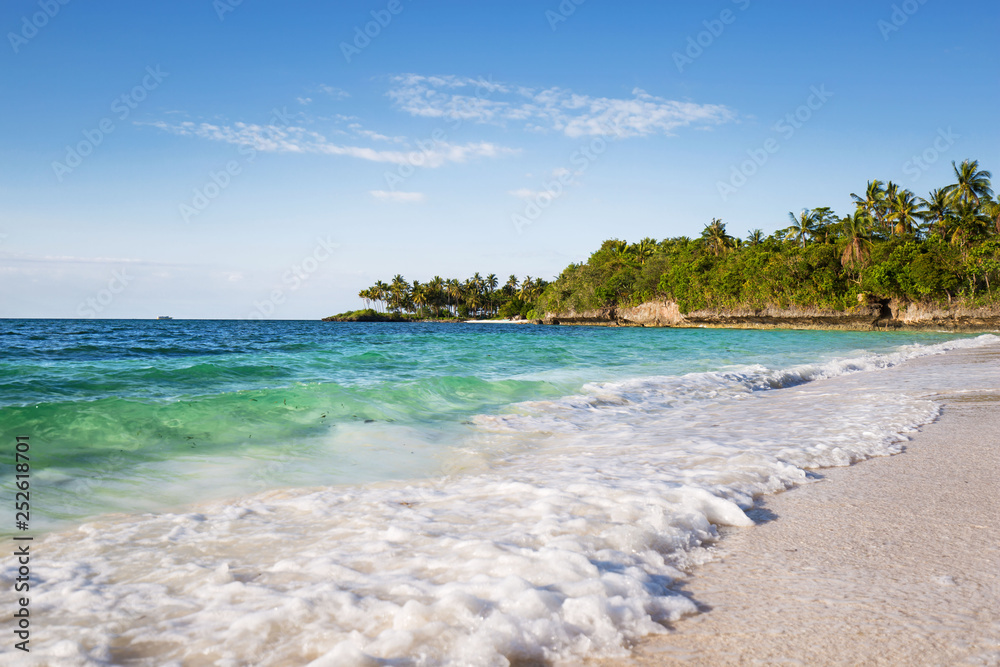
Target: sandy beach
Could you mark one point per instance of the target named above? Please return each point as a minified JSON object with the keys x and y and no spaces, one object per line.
{"x":893,"y":561}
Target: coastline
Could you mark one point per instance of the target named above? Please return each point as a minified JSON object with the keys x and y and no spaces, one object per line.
{"x":890,"y":561}
{"x":567,"y":549}
{"x":887,"y":315}
{"x":791,"y":324}
{"x":881,"y":315}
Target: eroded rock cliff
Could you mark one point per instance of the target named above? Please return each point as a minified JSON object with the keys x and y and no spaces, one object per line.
{"x":865,"y":316}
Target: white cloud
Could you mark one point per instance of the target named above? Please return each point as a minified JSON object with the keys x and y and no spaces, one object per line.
{"x":295,"y":139}
{"x":334,"y":92}
{"x":557,"y":109}
{"x":67,"y":259}
{"x":524,"y":193}
{"x":374,"y":136}
{"x":403,"y":197}
{"x":303,"y":100}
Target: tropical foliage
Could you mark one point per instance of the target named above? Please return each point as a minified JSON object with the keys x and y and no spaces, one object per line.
{"x":894,"y":244}
{"x":477,"y":296}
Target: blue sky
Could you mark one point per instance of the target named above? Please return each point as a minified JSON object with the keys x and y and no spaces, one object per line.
{"x":224,"y":159}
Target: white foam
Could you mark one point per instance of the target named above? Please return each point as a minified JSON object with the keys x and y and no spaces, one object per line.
{"x":566,"y":549}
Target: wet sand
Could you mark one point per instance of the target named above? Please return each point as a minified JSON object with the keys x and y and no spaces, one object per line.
{"x":893,"y":561}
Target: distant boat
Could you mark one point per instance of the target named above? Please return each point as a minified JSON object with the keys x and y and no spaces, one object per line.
{"x":164,"y":317}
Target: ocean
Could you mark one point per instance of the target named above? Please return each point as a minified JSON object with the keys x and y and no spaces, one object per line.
{"x":288,"y":493}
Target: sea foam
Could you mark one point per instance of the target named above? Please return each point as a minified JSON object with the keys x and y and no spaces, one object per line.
{"x":566,"y":547}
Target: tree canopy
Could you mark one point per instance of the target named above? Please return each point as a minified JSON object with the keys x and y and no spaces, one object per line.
{"x":894,"y":244}
{"x":477,"y":296}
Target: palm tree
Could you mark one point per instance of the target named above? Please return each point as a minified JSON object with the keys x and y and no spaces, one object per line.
{"x":399,"y":293}
{"x":891,"y":190}
{"x":825,"y":220}
{"x":622,"y":252}
{"x":420,"y":295}
{"x":936,"y":210}
{"x":381,"y":293}
{"x":482,"y":296}
{"x":968,"y":223}
{"x":904,"y":211}
{"x":756,"y":237}
{"x":973,"y":184}
{"x":491,"y":283}
{"x":526,"y":289}
{"x":715,"y":237}
{"x":803,"y":227}
{"x":992,"y":209}
{"x":436,"y":287}
{"x":872,"y":201}
{"x":857,"y":230}
{"x":454,"y":289}
{"x":510,"y":288}
{"x":474,"y":293}
{"x":644,"y":249}
{"x":874,"y":194}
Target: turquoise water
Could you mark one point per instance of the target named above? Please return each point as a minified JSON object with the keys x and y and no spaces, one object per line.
{"x":276,"y":493}
{"x":144,"y":415}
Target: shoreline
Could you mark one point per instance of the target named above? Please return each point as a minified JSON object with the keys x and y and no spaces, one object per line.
{"x":889,"y":561}
{"x":581,"y":542}
{"x":750,"y":323}
{"x":939,"y":327}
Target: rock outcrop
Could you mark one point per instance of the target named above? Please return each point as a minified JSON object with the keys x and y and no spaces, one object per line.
{"x":886,"y":314}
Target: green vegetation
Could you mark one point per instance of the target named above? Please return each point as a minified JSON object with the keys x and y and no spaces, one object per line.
{"x":444,"y":299}
{"x":894,"y":245}
{"x":371,"y":315}
{"x":945,"y":248}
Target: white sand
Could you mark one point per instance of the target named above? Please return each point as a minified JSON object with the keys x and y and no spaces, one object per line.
{"x":894,"y":561}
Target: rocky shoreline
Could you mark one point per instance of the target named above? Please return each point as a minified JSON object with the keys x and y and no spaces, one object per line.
{"x":882,"y":315}
{"x":875,"y":316}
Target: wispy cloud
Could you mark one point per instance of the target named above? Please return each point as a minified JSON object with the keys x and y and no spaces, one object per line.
{"x":374,"y":136}
{"x":401,"y":197}
{"x":553,"y":182}
{"x":524,"y":193}
{"x":67,"y":259}
{"x":297,"y":139}
{"x":555,"y":109}
{"x":333,"y":91}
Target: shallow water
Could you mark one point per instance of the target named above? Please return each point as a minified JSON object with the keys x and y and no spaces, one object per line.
{"x":424,"y":494}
